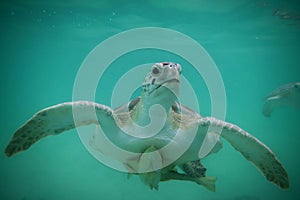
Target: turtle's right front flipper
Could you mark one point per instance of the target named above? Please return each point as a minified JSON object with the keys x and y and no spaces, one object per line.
{"x":55,"y":120}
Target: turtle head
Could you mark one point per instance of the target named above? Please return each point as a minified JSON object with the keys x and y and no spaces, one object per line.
{"x":161,"y":85}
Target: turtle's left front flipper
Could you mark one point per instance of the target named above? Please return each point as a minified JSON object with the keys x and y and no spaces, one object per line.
{"x":55,"y":120}
{"x":253,"y":150}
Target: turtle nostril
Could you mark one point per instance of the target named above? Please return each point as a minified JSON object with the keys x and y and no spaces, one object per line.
{"x":170,"y":64}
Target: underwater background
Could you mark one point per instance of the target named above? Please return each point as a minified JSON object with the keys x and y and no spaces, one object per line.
{"x":255,"y":45}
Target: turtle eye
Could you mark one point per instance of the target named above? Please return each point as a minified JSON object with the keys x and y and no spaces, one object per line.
{"x":155,"y":70}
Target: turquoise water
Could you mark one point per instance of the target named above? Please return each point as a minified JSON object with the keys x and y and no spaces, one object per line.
{"x":253,"y":43}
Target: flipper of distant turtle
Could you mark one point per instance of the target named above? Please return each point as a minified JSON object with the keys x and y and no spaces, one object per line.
{"x":285,"y":96}
{"x":151,"y":160}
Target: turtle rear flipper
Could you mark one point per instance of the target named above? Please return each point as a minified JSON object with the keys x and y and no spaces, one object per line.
{"x":208,"y":182}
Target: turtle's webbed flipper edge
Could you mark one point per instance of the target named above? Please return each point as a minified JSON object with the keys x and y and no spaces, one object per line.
{"x":268,"y":108}
{"x":55,"y":120}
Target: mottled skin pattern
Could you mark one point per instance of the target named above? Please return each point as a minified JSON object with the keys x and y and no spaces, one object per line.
{"x":194,"y":169}
{"x":161,"y":86}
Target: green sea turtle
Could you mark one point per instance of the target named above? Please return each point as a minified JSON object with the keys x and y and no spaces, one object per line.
{"x":287,"y":95}
{"x":161,"y":86}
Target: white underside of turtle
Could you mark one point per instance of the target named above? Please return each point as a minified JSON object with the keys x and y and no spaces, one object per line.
{"x":154,"y":158}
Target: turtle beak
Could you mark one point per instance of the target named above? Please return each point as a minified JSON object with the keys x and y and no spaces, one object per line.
{"x":168,"y":82}
{"x":169,"y":77}
{"x":165,"y":74}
